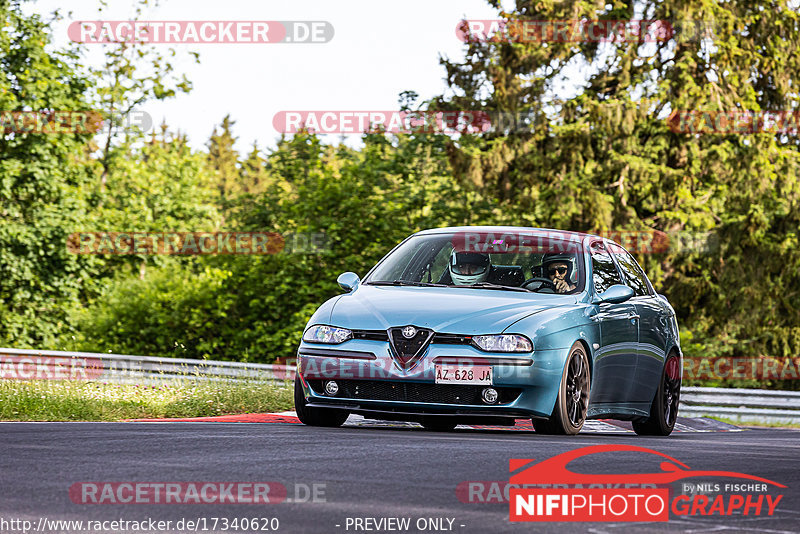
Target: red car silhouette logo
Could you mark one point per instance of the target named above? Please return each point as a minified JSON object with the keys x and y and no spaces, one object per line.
{"x":554,"y":470}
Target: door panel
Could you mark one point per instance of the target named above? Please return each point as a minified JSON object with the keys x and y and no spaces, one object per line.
{"x":653,"y":334}
{"x":652,"y":339}
{"x":614,"y":371}
{"x":615,"y":360}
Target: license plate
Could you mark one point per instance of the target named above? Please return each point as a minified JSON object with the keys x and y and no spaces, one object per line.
{"x":464,"y":374}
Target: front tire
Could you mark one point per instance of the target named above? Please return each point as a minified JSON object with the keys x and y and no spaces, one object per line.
{"x":664,"y":410}
{"x":569,"y":412}
{"x":330,"y":417}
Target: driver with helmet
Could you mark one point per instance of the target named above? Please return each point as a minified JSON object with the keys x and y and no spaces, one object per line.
{"x":467,"y":268}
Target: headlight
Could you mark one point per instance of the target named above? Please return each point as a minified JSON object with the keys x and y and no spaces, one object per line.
{"x":503,"y":343}
{"x":327,"y":334}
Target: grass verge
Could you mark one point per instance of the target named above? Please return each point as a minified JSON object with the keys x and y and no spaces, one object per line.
{"x":50,"y":400}
{"x":754,"y":423}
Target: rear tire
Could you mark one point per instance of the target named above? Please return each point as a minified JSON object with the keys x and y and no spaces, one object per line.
{"x":664,"y":410}
{"x":569,"y":412}
{"x":330,"y":417}
{"x":438,"y":424}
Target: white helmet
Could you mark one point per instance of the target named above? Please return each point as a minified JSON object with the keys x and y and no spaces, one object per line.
{"x":468,"y":268}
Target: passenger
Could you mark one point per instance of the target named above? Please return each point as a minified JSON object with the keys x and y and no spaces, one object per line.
{"x":558,"y":268}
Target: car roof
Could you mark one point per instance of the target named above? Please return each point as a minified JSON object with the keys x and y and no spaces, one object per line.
{"x":501,"y":229}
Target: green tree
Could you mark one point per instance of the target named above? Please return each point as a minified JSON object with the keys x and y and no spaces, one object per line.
{"x":254,"y":177}
{"x":131,"y":75}
{"x":254,"y":308}
{"x":158,"y":186}
{"x":224,"y":160}
{"x":53,"y":185}
{"x":42,"y":185}
{"x":601,"y":155}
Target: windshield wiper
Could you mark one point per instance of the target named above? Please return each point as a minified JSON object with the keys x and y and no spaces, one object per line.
{"x":404,"y":283}
{"x":489,"y":285}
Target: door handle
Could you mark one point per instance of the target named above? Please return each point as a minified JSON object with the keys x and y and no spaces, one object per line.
{"x":633,"y":315}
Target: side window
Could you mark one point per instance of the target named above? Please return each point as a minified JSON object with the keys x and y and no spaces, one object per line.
{"x":604,"y":272}
{"x":633,"y":273}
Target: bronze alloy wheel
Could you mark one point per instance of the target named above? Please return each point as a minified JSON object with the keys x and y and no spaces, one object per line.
{"x":569,"y":412}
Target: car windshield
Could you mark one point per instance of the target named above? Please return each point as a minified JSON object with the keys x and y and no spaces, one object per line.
{"x":542,"y":262}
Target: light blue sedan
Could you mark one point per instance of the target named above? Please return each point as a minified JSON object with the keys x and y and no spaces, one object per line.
{"x":484,"y":325}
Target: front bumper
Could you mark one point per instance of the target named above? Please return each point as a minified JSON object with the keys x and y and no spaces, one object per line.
{"x":372,"y":381}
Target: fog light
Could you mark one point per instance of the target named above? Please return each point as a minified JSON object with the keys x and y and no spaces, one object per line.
{"x":489,"y":395}
{"x":331,"y":388}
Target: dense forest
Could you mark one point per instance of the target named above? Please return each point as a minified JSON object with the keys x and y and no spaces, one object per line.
{"x":602,"y":158}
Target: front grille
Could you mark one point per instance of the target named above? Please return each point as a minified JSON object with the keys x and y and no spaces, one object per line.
{"x":382,"y":335}
{"x":414,"y":391}
{"x":452,"y":339}
{"x":408,"y":349}
{"x":373,"y":335}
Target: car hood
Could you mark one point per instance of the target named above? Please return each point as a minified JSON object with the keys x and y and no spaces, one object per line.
{"x":449,"y":310}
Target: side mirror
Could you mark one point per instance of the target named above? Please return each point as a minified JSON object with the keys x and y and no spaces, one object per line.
{"x":348,"y":281}
{"x":614,"y":294}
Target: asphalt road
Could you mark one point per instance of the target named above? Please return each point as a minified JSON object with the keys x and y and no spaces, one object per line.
{"x":363,"y":472}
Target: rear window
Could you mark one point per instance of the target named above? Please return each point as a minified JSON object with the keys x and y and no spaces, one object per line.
{"x":634,"y":276}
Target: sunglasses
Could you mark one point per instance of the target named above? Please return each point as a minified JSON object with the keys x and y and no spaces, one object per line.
{"x":560,"y":270}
